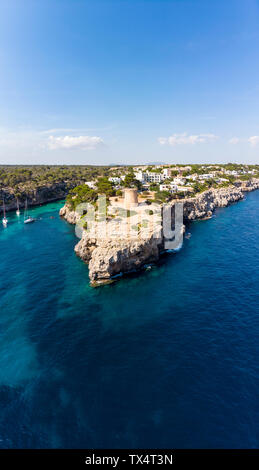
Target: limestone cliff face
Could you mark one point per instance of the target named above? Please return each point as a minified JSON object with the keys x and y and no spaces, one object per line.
{"x":71,"y":216}
{"x":40,"y":195}
{"x":203,"y":205}
{"x":108,"y":257}
{"x":247,"y":186}
{"x":113,"y":257}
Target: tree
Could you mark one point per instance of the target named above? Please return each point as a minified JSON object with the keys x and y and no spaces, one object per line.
{"x":131,"y":182}
{"x":81,"y":194}
{"x":154,"y":187}
{"x":162,"y":196}
{"x":104,"y":186}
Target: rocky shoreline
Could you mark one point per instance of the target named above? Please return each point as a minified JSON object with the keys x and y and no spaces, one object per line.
{"x":203,"y":205}
{"x":109,"y":258}
{"x":35,"y":197}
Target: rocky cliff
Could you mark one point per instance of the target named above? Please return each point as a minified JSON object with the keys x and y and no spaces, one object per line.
{"x":71,"y":216}
{"x":40,"y":195}
{"x":108,"y":257}
{"x":203,"y":205}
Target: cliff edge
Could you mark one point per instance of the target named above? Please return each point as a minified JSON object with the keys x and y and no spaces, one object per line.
{"x":111,"y":256}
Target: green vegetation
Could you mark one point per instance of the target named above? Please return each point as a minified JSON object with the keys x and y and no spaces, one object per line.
{"x":28,"y":178}
{"x":81,"y":194}
{"x":174,"y":173}
{"x":104,"y":186}
{"x":130,"y":181}
{"x":153,"y":169}
{"x":199,"y":187}
{"x":49,"y":182}
{"x":154,"y":187}
{"x":162,"y":196}
{"x":180,"y":195}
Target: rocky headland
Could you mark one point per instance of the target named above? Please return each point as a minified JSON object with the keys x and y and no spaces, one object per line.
{"x":112,"y":256}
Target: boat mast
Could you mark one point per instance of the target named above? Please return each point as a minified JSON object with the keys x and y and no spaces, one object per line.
{"x":25,"y":209}
{"x":4,"y":220}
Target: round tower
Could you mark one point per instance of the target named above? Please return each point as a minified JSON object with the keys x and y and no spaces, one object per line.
{"x":130,"y":198}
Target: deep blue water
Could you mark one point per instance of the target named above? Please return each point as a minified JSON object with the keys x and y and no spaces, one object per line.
{"x":168,"y":358}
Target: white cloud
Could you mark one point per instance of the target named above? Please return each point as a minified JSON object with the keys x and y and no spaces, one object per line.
{"x":234,"y":140}
{"x":185,"y":139}
{"x":74,"y":131}
{"x":82,"y":142}
{"x":254,"y":140}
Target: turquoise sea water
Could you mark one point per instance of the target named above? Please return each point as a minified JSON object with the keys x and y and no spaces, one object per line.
{"x":168,"y":358}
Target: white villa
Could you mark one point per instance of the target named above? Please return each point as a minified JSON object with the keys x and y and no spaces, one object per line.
{"x":168,"y":187}
{"x":115,"y":179}
{"x":91,"y":184}
{"x":150,"y":177}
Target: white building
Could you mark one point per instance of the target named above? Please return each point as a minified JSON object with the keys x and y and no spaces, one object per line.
{"x":222,"y":180}
{"x":91,"y":184}
{"x":179,"y":181}
{"x":192,"y":177}
{"x":168,"y":187}
{"x":153,"y":177}
{"x":185,"y":189}
{"x":231,"y":172}
{"x":164,"y":187}
{"x":139,"y":175}
{"x":208,"y":176}
{"x":115,"y":179}
{"x":149,"y":176}
{"x":167,"y":172}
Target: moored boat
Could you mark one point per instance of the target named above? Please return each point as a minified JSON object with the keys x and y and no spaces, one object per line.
{"x":28,"y":219}
{"x":4,"y":220}
{"x":18,"y":209}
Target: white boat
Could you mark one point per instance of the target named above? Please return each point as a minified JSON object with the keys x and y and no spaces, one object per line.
{"x":18,"y":209}
{"x":27,"y":218}
{"x":4,"y":220}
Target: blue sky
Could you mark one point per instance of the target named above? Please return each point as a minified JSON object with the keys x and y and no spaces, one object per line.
{"x":91,"y":81}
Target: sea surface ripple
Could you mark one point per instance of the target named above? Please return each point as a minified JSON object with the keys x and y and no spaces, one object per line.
{"x":168,"y":358}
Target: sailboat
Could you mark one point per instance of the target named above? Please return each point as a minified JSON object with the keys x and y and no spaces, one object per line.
{"x":4,"y":220}
{"x":18,"y":210}
{"x":27,"y":218}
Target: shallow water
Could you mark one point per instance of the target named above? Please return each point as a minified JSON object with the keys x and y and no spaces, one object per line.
{"x":168,"y":358}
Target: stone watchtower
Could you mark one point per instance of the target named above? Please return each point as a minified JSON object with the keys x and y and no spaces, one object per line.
{"x":130,"y":198}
